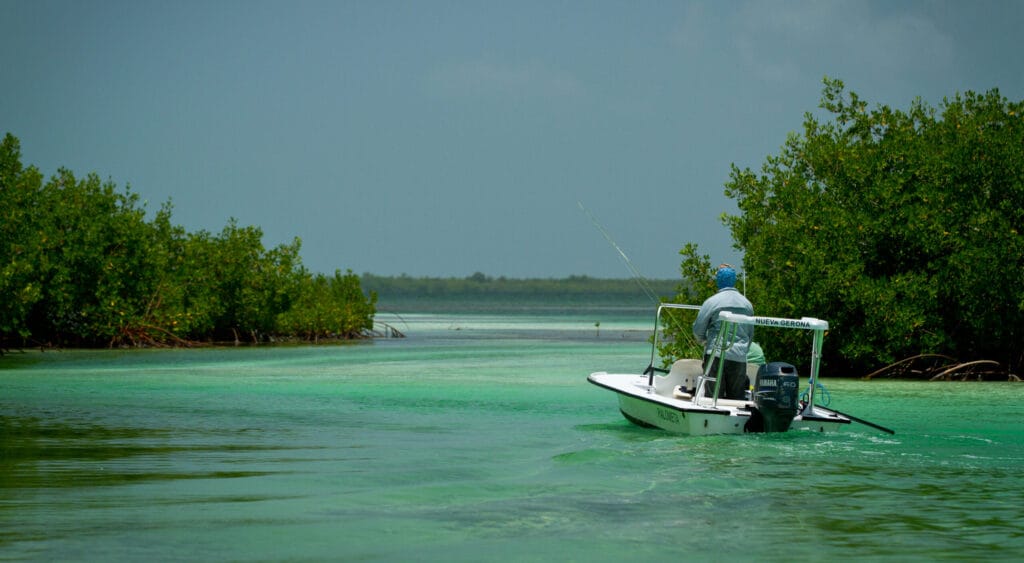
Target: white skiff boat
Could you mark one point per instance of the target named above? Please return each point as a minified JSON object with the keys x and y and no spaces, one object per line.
{"x":675,"y":400}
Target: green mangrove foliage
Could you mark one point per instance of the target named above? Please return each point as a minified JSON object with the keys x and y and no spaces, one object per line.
{"x":328,"y":306}
{"x":902,"y":228}
{"x":80,"y":265}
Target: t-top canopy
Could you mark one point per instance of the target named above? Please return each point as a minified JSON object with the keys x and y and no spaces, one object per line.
{"x":806,"y":323}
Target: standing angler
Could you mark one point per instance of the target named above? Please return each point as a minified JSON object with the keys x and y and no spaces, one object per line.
{"x":706,"y":327}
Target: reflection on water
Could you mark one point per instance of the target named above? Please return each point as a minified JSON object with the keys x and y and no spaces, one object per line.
{"x":55,"y":455}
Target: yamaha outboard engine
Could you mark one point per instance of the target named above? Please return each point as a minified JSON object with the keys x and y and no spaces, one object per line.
{"x":776,"y":394}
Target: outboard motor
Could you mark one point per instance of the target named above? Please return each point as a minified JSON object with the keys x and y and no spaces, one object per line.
{"x":776,"y":394}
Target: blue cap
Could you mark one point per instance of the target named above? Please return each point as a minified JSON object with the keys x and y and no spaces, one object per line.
{"x":726,"y":277}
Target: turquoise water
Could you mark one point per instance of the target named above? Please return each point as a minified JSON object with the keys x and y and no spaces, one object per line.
{"x":477,"y":438}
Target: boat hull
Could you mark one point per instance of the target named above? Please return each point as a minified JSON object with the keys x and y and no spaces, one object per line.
{"x":654,"y":405}
{"x":681,"y":420}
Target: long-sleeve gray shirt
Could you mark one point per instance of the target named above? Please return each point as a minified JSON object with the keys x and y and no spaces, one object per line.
{"x":707,"y":325}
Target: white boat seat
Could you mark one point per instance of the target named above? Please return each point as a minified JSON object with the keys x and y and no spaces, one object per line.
{"x":685,"y":373}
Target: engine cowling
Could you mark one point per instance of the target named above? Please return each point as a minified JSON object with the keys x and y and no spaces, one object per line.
{"x":776,"y":394}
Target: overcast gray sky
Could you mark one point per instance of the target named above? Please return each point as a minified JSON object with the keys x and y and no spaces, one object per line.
{"x":440,"y":138}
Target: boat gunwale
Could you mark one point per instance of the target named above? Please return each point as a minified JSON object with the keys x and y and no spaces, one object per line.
{"x":661,"y":400}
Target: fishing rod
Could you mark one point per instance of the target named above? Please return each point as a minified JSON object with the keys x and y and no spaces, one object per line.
{"x":633,"y":271}
{"x":641,"y":281}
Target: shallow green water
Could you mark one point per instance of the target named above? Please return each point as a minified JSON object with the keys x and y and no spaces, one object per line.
{"x":477,"y":438}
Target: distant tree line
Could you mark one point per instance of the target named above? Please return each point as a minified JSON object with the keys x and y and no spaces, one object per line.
{"x":80,"y":265}
{"x":903,"y":229}
{"x":408,"y":291}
